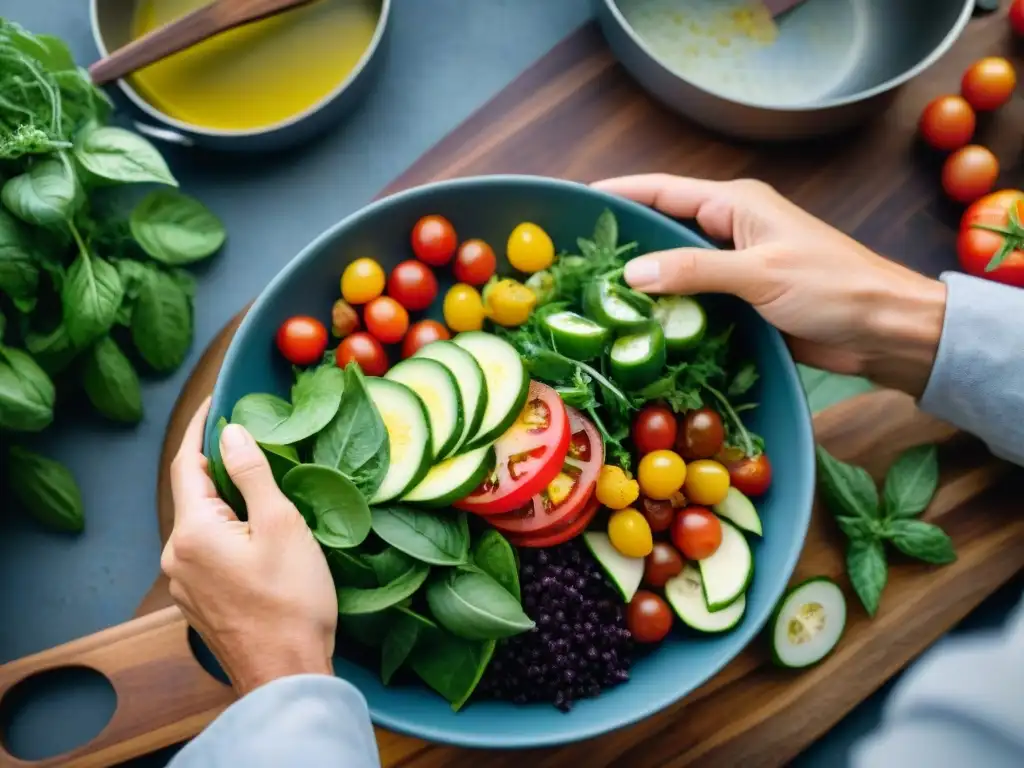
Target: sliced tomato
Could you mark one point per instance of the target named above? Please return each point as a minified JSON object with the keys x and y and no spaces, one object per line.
{"x":529,"y":455}
{"x":564,"y":498}
{"x":562,"y":533}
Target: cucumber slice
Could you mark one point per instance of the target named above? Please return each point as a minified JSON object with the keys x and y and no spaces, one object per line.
{"x":468,"y":377}
{"x":686,"y":596}
{"x":727,"y":573}
{"x":603,"y":304}
{"x":625,"y":572}
{"x":505,"y":379}
{"x":436,"y":387}
{"x":683,"y":321}
{"x":453,"y":479}
{"x":808,"y":623}
{"x":738,"y":509}
{"x":639,"y":358}
{"x":405,"y":419}
{"x":576,"y":336}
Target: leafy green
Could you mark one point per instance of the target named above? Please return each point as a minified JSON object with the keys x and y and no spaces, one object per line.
{"x":339,"y":509}
{"x":91,"y":297}
{"x":111,"y":382}
{"x":398,"y":644}
{"x":161,"y":323}
{"x":868,"y":571}
{"x":922,"y":541}
{"x":271,"y":420}
{"x":115,"y":154}
{"x":27,"y":394}
{"x":352,"y":600}
{"x":225,"y":486}
{"x":438,"y":538}
{"x":47,"y":489}
{"x":450,"y":665}
{"x":474,"y":606}
{"x":176,"y":229}
{"x":493,"y":555}
{"x":350,"y":570}
{"x":47,"y":195}
{"x":911,"y":482}
{"x":846,"y":489}
{"x":388,"y":564}
{"x":19,"y":270}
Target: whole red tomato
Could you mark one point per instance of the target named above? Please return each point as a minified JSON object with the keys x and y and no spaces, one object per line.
{"x":751,"y":476}
{"x":1017,"y":17}
{"x":475,"y":262}
{"x":366,"y":351}
{"x":969,"y":173}
{"x":998,"y":256}
{"x":947,"y":123}
{"x":413,"y":285}
{"x":422,"y":333}
{"x":654,"y":429}
{"x":302,"y":340}
{"x":434,"y":240}
{"x":386,"y":319}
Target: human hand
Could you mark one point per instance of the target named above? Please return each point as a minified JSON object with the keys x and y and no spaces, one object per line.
{"x":259,"y":593}
{"x":842,"y":307}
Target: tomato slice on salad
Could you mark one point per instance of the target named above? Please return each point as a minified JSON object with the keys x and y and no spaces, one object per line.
{"x":563,"y":532}
{"x":529,"y":455}
{"x":564,"y":498}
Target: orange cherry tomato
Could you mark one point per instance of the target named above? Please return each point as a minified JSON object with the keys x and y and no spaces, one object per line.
{"x":947,"y":123}
{"x":989,"y":83}
{"x":969,"y":173}
{"x":386,"y":319}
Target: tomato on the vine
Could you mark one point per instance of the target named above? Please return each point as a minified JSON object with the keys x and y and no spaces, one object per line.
{"x":434,"y":240}
{"x":366,"y":351}
{"x":969,"y":173}
{"x":654,"y":429}
{"x":475,"y":262}
{"x":386,"y":319}
{"x":302,"y":340}
{"x":947,"y":123}
{"x":422,"y":333}
{"x":988,"y":83}
{"x":697,"y":533}
{"x":413,"y":285}
{"x":751,"y":476}
{"x":991,"y":239}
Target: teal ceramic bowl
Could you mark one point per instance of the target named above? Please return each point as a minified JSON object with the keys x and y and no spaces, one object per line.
{"x":489,"y":208}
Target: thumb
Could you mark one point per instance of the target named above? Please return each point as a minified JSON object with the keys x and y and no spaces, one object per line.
{"x":250,"y":472}
{"x":698,"y":270}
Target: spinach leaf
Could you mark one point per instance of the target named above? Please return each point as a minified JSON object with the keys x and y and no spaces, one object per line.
{"x":47,"y":489}
{"x":260,"y":413}
{"x":494,"y":556}
{"x":111,"y":382}
{"x":438,"y":538}
{"x":176,"y":229}
{"x":355,"y":441}
{"x":47,"y":195}
{"x":450,"y":665}
{"x":398,"y":644}
{"x":352,"y":600}
{"x":846,"y":490}
{"x":911,"y":482}
{"x":868,"y":571}
{"x":226,"y":488}
{"x":350,"y":570}
{"x":271,"y":420}
{"x":922,"y":541}
{"x":162,"y":322}
{"x":472,"y":605}
{"x":282,"y":458}
{"x":26,"y":393}
{"x":367,"y":629}
{"x":90,"y":298}
{"x":19,"y":272}
{"x":388,"y":564}
{"x":341,"y":513}
{"x":118,"y":155}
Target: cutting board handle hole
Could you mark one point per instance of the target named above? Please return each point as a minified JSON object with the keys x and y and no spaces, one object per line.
{"x":206,"y":658}
{"x":53,"y":711}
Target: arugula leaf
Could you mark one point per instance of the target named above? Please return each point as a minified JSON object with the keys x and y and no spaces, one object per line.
{"x":922,"y":541}
{"x":868,"y":571}
{"x":911,"y":482}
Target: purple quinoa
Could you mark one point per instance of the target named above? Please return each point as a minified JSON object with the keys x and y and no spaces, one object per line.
{"x":580,"y":645}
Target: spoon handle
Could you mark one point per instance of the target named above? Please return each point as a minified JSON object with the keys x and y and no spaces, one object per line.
{"x":183,"y":33}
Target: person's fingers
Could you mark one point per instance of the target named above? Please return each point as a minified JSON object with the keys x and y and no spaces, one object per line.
{"x":250,"y":471}
{"x":679,"y":196}
{"x":699,"y":270}
{"x":190,"y":482}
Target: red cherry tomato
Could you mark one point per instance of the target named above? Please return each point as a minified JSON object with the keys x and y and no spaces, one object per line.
{"x":983,"y":248}
{"x":969,"y":173}
{"x":701,"y":434}
{"x":947,"y":123}
{"x":654,"y":429}
{"x":302,"y":340}
{"x":751,"y":477}
{"x":433,"y":240}
{"x":386,"y":319}
{"x":648,"y":617}
{"x":662,"y":564}
{"x":366,"y":351}
{"x":413,"y":285}
{"x":988,"y":83}
{"x":475,"y":262}
{"x":659,"y":514}
{"x":1017,"y":17}
{"x":422,"y":333}
{"x":696,"y":532}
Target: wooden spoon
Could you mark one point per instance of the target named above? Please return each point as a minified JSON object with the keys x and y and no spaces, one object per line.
{"x":203,"y":23}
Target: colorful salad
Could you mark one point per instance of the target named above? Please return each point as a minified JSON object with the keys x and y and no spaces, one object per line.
{"x":512,"y":502}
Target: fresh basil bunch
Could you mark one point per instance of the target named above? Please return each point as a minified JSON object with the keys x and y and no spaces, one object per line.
{"x":87,"y":297}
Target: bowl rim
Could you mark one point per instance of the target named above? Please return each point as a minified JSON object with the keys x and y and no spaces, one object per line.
{"x":891,"y":84}
{"x":803,"y":430}
{"x":197,"y":130}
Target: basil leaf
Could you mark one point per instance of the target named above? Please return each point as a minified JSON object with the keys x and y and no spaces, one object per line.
{"x":355,"y":441}
{"x":388,"y":564}
{"x":922,"y":541}
{"x":176,"y":229}
{"x":846,"y":489}
{"x":450,"y":665}
{"x":472,"y":605}
{"x":352,"y":600}
{"x":19,"y":272}
{"x":868,"y":571}
{"x":115,"y":154}
{"x":350,"y":570}
{"x":494,"y":556}
{"x":339,"y":509}
{"x":47,"y":489}
{"x":857,"y":527}
{"x":911,"y":482}
{"x":438,"y":538}
{"x":47,"y":50}
{"x":398,"y":644}
{"x":53,"y":351}
{"x":271,"y":420}
{"x":162,"y":322}
{"x":26,"y":393}
{"x":47,"y":195}
{"x":90,"y":298}
{"x":111,"y":382}
{"x":226,"y":488}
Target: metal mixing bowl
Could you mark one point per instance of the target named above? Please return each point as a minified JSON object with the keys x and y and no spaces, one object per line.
{"x":825,"y":66}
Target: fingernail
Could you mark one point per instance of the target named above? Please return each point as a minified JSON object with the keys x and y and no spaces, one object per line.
{"x":641,"y":272}
{"x":233,"y":438}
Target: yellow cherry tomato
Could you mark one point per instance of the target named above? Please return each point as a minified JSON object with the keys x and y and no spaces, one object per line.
{"x":509,"y":302}
{"x":630,"y":533}
{"x":661,"y":474}
{"x":707,"y":482}
{"x":529,"y":248}
{"x":362,"y":281}
{"x":614,"y":489}
{"x":463,"y":308}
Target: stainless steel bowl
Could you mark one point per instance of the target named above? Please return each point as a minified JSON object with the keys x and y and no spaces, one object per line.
{"x":831,"y":64}
{"x":111,"y":27}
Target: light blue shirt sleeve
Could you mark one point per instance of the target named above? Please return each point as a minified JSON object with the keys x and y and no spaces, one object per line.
{"x":962,"y":704}
{"x":312,"y":721}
